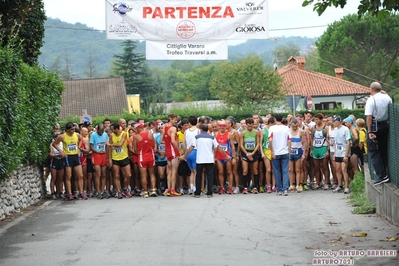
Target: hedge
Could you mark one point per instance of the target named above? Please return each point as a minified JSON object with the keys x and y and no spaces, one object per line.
{"x":29,"y":107}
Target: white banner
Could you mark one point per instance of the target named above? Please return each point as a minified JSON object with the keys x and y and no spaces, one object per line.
{"x":202,"y":20}
{"x":180,"y":50}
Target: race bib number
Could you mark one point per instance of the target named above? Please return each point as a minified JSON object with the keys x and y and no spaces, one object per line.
{"x":332,"y":139}
{"x":180,"y":145}
{"x":318,"y":142}
{"x":161,"y":147}
{"x":72,"y":147}
{"x":118,"y":149}
{"x":250,"y":145}
{"x":294,"y":151}
{"x":101,"y":146}
{"x":267,"y":145}
{"x":340,"y":146}
{"x":224,"y":147}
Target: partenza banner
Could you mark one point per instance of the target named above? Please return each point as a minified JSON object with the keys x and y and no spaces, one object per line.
{"x":158,"y":20}
{"x":185,"y":50}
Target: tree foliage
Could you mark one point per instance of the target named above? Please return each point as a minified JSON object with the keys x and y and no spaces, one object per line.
{"x":26,"y":19}
{"x":378,"y":8}
{"x":248,"y":81}
{"x":283,"y":52}
{"x":368,"y":48}
{"x":29,"y":107}
{"x":132,"y":66}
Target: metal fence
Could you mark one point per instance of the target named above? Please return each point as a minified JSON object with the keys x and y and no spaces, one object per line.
{"x":393,"y":146}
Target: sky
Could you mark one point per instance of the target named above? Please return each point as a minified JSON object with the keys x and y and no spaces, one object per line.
{"x":283,"y":14}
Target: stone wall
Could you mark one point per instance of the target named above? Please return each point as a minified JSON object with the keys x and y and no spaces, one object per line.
{"x":23,"y":188}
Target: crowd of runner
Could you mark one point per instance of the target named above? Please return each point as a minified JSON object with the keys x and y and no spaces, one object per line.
{"x":269,"y":154}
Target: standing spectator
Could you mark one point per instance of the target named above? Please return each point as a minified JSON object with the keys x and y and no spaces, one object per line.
{"x":279,"y":142}
{"x":376,"y":111}
{"x":205,"y":144}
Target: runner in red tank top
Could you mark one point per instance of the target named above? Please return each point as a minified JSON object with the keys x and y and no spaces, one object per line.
{"x":144,"y":144}
{"x":169,"y":136}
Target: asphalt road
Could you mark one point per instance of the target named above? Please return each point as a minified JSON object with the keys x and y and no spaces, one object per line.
{"x":263,"y":229}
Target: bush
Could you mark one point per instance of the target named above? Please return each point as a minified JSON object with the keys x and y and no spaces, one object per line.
{"x":29,"y":107}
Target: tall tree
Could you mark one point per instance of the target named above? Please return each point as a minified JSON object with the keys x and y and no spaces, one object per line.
{"x":247,"y":82}
{"x":91,"y":69}
{"x":132,"y":66}
{"x":23,"y":19}
{"x":368,"y":49}
{"x":378,"y":8}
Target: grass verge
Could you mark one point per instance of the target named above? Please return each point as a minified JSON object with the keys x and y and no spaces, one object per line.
{"x":358,"y":196}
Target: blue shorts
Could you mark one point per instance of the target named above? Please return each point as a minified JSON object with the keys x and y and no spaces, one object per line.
{"x":296,"y":154}
{"x":192,"y":160}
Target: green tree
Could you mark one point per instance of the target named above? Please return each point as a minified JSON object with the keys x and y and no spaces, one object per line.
{"x":26,"y":19}
{"x":194,"y":85}
{"x":132,"y":66}
{"x":248,"y":81}
{"x":367,"y":49}
{"x":283,"y":52}
{"x":379,"y":8}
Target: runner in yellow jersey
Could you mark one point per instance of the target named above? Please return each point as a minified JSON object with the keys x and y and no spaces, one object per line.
{"x":70,"y":141}
{"x":119,"y":159}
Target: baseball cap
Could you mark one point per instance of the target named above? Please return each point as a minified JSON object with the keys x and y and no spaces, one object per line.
{"x":337,"y":118}
{"x":138,"y":125}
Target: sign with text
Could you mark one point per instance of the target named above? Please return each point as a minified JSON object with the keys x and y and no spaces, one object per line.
{"x":159,"y":20}
{"x":179,"y":50}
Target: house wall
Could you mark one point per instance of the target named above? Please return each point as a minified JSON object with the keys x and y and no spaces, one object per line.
{"x":348,"y":102}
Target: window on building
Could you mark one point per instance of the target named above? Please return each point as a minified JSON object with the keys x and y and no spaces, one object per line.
{"x":327,"y":105}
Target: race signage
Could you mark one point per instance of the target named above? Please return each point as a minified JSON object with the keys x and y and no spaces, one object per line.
{"x":161,"y":20}
{"x":180,"y":50}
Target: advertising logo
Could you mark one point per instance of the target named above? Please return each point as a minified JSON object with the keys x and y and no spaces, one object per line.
{"x":250,"y":8}
{"x":121,"y":8}
{"x":250,"y":29}
{"x":185,"y":29}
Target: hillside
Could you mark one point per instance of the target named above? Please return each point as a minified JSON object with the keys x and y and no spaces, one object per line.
{"x":77,"y":45}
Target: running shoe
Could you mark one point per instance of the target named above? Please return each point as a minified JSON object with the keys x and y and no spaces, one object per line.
{"x":196,"y":196}
{"x":190,"y":191}
{"x":209,"y":196}
{"x":167,"y":193}
{"x":203,"y":191}
{"x":334,"y":186}
{"x":381,"y":180}
{"x":291,"y":189}
{"x":274,"y":189}
{"x":54,"y":196}
{"x":314,"y":186}
{"x":221,"y":191}
{"x":181,"y":191}
{"x":326,"y":187}
{"x":90,"y":194}
{"x":230,"y":191}
{"x":99,"y":196}
{"x":76,"y":195}
{"x":145,"y":194}
{"x":299,"y":189}
{"x":245,"y":191}
{"x":236,"y":190}
{"x":84,"y":195}
{"x":279,"y":193}
{"x":120,"y":196}
{"x":305,"y":187}
{"x":261,"y":189}
{"x":70,"y":197}
{"x":106,"y":195}
{"x":269,"y":189}
{"x":175,"y":194}
{"x":255,"y":190}
{"x":346,"y":191}
{"x":285,"y":193}
{"x":153,"y":193}
{"x":337,"y":189}
{"x":127,"y":193}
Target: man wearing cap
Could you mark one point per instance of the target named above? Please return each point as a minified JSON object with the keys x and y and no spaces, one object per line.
{"x":342,"y":153}
{"x":376,"y":111}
